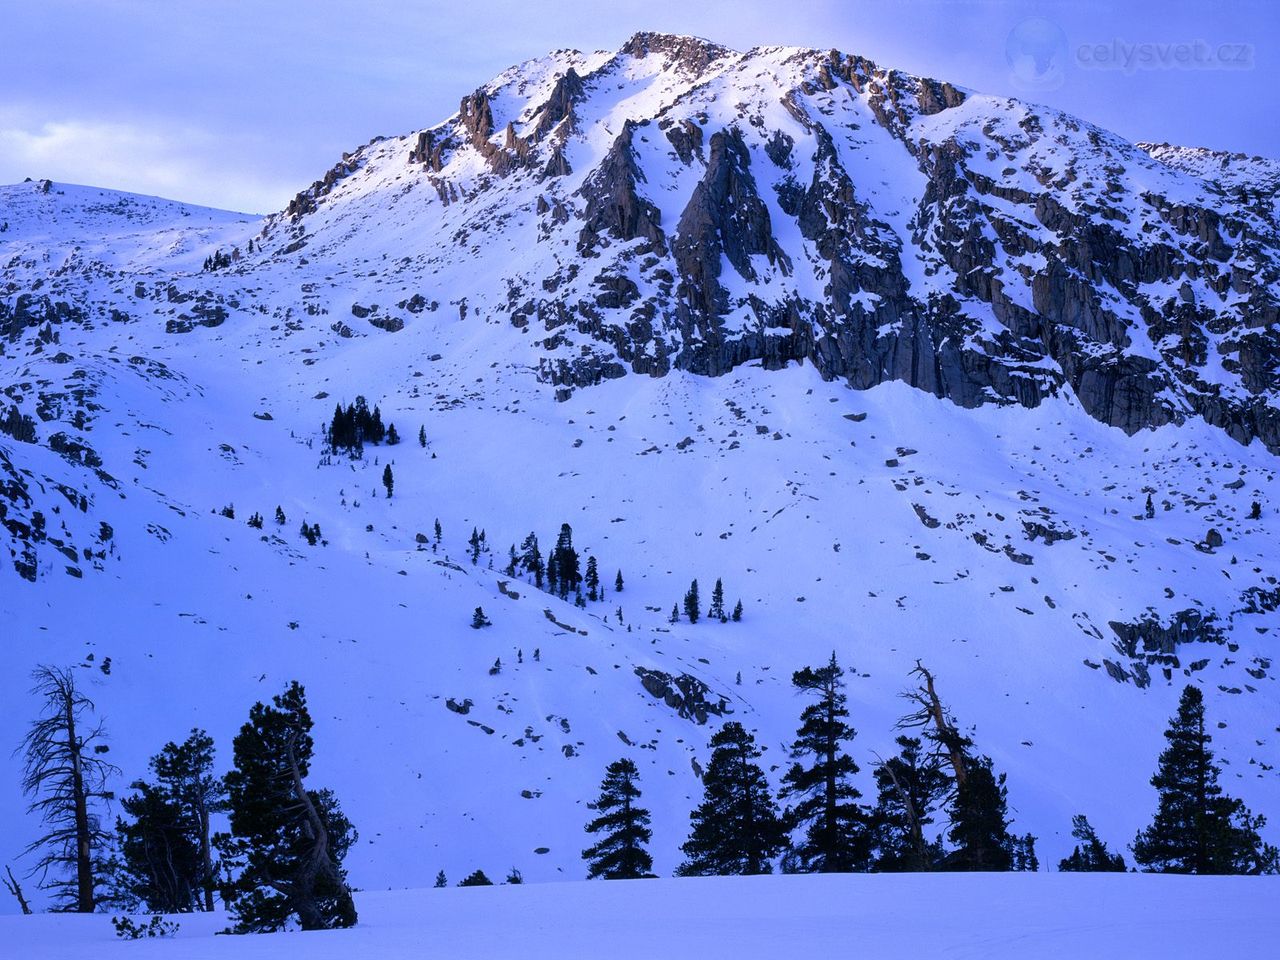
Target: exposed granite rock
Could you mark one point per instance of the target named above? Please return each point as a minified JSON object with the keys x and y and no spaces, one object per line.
{"x":688,"y":696}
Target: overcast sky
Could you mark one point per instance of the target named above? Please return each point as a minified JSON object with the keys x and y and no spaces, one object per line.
{"x":240,"y":103}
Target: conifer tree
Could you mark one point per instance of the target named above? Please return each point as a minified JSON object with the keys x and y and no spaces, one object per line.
{"x":737,"y":828}
{"x":165,"y":848}
{"x":392,"y":437}
{"x":716,"y":610}
{"x":617,"y":583}
{"x":592,"y":580}
{"x":281,"y":519}
{"x":692,"y":604}
{"x":476,"y":879}
{"x":478,"y":619}
{"x":1198,"y":828}
{"x":619,"y":854}
{"x":531,"y":559}
{"x":65,"y":774}
{"x":474,"y":543}
{"x":737,"y":612}
{"x":422,"y":437}
{"x":566,"y":560}
{"x":675,"y":614}
{"x":388,"y":480}
{"x":911,"y":787}
{"x":441,"y":880}
{"x":1090,"y":854}
{"x":287,"y":839}
{"x":835,"y":838}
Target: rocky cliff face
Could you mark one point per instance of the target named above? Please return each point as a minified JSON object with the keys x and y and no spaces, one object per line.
{"x":679,"y":205}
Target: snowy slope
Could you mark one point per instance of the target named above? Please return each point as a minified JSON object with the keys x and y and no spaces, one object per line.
{"x":1065,"y":916}
{"x":997,"y":542}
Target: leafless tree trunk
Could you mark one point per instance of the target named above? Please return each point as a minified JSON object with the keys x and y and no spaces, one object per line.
{"x":13,"y":886}
{"x":66,"y":776}
{"x":944,"y":732}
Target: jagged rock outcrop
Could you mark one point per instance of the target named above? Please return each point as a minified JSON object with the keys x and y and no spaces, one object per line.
{"x":688,"y":696}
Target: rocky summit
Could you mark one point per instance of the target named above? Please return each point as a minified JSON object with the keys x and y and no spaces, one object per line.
{"x":920,"y":374}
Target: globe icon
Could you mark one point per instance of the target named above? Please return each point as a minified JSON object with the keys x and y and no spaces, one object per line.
{"x":1036,"y":50}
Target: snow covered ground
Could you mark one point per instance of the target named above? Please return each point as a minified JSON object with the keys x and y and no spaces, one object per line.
{"x":987,"y":916}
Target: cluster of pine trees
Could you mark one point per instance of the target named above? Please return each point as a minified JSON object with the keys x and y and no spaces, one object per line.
{"x":562,"y":573}
{"x":939,"y":805}
{"x":280,"y":863}
{"x":692,"y":605}
{"x":355,"y":425}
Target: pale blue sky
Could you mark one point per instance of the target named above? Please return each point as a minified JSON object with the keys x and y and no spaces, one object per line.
{"x":239,"y":103}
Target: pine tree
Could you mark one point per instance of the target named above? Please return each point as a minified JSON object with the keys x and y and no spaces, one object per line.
{"x":675,"y":614}
{"x":474,"y":543}
{"x":617,"y":583}
{"x":566,"y":560}
{"x":65,"y":773}
{"x":737,"y":828}
{"x":476,"y":879}
{"x":388,"y":480}
{"x":441,"y":880}
{"x":977,"y":802}
{"x":911,"y":787}
{"x":392,"y":437}
{"x":281,"y":519}
{"x":288,"y":840}
{"x":1198,"y":828}
{"x":478,"y":619}
{"x":166,"y":850}
{"x":531,"y":559}
{"x":1091,"y":854}
{"x":737,"y":612}
{"x":716,"y":610}
{"x":514,"y":876}
{"x":619,"y":854}
{"x":692,"y":604}
{"x":834,"y":824}
{"x":422,"y":437}
{"x":592,"y":580}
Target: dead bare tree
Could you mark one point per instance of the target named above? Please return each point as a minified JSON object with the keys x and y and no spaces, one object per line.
{"x":66,"y":774}
{"x":14,"y":887}
{"x":934,"y":722}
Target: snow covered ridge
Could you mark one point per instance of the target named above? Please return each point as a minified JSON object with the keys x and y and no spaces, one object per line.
{"x":726,"y":242}
{"x":885,"y":916}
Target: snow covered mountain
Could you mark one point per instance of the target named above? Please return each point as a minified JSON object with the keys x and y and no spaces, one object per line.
{"x":631,"y":291}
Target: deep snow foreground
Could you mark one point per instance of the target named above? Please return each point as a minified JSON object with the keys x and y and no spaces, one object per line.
{"x":991,"y":916}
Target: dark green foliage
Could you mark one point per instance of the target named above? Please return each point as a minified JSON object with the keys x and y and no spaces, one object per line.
{"x":477,"y":545}
{"x":619,"y":854}
{"x":531,"y":559}
{"x":229,"y":511}
{"x":1022,"y":852}
{"x":716,"y":610}
{"x":288,"y":841}
{"x":165,"y":850}
{"x":835,"y":837}
{"x":515,"y":876}
{"x":441,"y":880}
{"x":310,"y":532}
{"x":979,"y":821}
{"x":591,"y":580}
{"x":354,"y":426}
{"x":737,"y":612}
{"x":1197,"y":827}
{"x":675,"y":614}
{"x":392,"y":436}
{"x":617,"y":583}
{"x":1091,"y":854}
{"x":422,"y":436}
{"x":478,"y":619}
{"x":476,"y":879}
{"x":281,"y":519}
{"x":65,"y":774}
{"x":388,"y":480}
{"x":156,"y":927}
{"x":564,"y":560}
{"x":737,"y":828}
{"x":911,"y":787}
{"x":255,"y":521}
{"x":692,"y":603}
